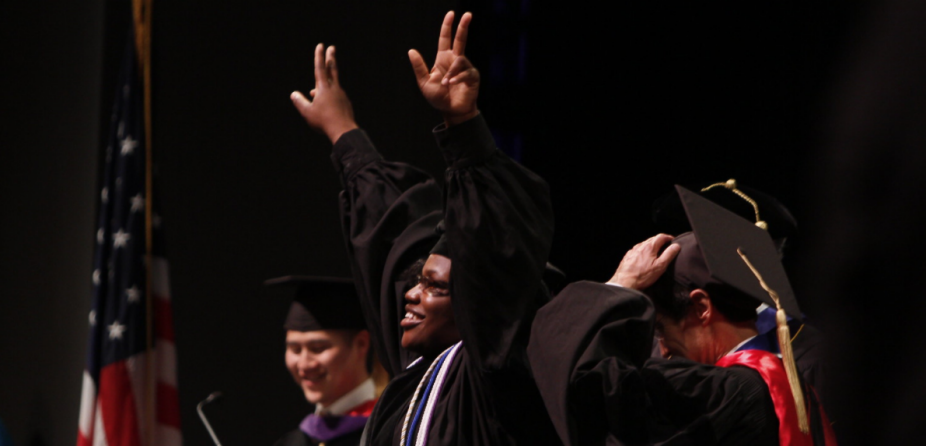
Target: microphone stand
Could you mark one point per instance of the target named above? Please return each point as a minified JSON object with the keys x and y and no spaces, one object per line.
{"x":199,"y":409}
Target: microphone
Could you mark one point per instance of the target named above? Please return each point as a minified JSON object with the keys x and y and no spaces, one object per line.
{"x":199,"y":408}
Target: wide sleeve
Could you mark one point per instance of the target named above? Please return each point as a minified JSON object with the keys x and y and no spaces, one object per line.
{"x":389,"y":212}
{"x":585,"y":348}
{"x":589,"y":352}
{"x":499,"y":226}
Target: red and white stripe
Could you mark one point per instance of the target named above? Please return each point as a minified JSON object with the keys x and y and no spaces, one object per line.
{"x":118,"y":413}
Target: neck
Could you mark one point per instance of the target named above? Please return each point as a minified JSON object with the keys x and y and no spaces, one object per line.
{"x":727,"y":335}
{"x":435,"y":350}
{"x":354,"y":396}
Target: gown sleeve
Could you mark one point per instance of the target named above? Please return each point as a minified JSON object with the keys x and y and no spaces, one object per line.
{"x":499,"y":226}
{"x":589,"y":351}
{"x":389,"y":212}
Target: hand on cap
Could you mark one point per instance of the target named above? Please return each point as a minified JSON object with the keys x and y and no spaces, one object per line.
{"x":452,"y":84}
{"x":329,"y":111}
{"x":643,"y":264}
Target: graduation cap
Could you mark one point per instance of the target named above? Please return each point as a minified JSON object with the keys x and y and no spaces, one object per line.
{"x":321,"y":303}
{"x":741,"y":255}
{"x":750,"y":204}
{"x":724,"y":239}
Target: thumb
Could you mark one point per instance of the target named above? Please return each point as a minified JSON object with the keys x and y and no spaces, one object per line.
{"x":300,"y":101}
{"x":418,"y":66}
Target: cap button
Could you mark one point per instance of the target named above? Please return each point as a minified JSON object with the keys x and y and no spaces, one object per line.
{"x":762,"y":224}
{"x":730,"y":184}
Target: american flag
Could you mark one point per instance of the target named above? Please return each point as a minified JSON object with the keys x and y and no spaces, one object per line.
{"x":129,"y":395}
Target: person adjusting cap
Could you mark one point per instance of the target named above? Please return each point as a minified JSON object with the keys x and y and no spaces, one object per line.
{"x":742,"y":257}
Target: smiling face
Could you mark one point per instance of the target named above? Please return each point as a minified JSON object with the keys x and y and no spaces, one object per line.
{"x":429,"y":326}
{"x":327,"y":364}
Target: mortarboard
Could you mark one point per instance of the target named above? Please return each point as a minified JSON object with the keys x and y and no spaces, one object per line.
{"x":321,"y":303}
{"x":723,"y":238}
{"x":742,"y":256}
{"x":748,"y":203}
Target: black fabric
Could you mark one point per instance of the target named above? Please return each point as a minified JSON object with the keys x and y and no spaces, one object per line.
{"x":590,"y":349}
{"x":298,"y":438}
{"x":388,"y":215}
{"x":498,"y":223}
{"x":321,"y":303}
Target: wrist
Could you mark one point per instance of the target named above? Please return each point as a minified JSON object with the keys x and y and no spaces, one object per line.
{"x":457,"y":118}
{"x":622,"y":281}
{"x":334,"y":133}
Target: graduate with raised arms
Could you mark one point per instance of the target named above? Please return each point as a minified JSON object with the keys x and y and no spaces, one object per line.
{"x":449,"y":309}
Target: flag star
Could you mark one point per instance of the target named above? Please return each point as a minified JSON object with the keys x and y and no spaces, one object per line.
{"x":92,"y":317}
{"x":120,"y":238}
{"x":104,"y":194}
{"x":100,"y":235}
{"x":128,"y":145}
{"x":96,"y":277}
{"x":138,"y":203}
{"x":133,"y":294}
{"x":116,"y":330}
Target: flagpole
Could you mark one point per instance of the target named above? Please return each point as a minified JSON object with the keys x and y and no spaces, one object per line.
{"x":142,"y":17}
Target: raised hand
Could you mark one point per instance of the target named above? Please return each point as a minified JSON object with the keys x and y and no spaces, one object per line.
{"x":643,"y":264}
{"x":452,"y":84}
{"x":330,"y":110}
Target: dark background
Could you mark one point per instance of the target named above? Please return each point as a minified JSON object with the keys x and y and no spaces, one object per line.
{"x":820,"y":104}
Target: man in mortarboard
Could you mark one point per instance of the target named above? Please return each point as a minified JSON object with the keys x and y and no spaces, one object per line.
{"x":721,"y":384}
{"x":328,"y":354}
{"x":770,"y":214}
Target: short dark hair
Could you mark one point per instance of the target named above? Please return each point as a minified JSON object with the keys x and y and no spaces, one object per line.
{"x":350,"y":334}
{"x":673,"y":299}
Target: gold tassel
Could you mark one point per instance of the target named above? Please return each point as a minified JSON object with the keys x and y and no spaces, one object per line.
{"x":787,"y":355}
{"x":731,"y":185}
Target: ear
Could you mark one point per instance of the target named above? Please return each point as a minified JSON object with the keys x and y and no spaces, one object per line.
{"x":701,"y":306}
{"x":362,"y":341}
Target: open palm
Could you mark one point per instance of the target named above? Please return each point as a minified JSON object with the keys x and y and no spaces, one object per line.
{"x":452,"y":84}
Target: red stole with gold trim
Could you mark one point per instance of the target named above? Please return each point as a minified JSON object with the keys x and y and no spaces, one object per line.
{"x":772,"y":371}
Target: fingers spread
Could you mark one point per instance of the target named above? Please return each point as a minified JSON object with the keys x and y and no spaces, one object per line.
{"x":321,"y":75}
{"x":332,"y":66}
{"x":446,"y":31}
{"x":459,"y":43}
{"x":418,"y":66}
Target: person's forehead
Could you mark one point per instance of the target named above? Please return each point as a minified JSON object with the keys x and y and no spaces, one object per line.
{"x":436,"y":266}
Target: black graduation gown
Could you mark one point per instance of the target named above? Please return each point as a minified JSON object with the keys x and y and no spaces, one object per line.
{"x":590,"y":351}
{"x":298,"y":438}
{"x":498,"y":222}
